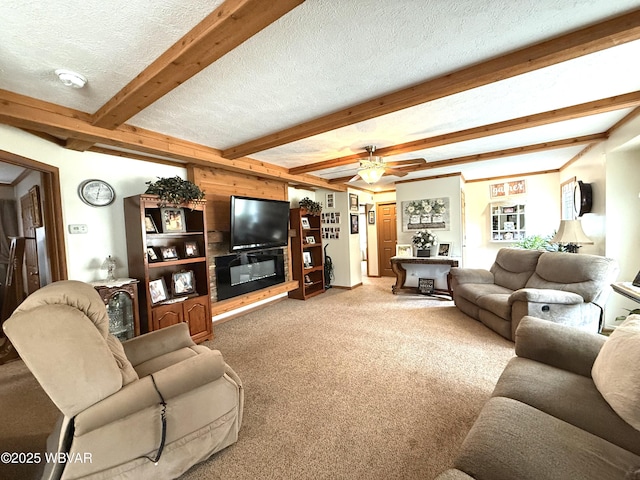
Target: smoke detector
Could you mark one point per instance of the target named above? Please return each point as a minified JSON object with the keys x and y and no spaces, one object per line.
{"x":71,"y":79}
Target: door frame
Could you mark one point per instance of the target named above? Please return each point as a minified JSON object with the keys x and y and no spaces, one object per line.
{"x":52,"y":209}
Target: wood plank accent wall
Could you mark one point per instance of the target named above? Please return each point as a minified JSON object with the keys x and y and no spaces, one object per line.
{"x":218,"y":186}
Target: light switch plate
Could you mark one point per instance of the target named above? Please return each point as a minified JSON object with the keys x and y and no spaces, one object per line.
{"x":78,"y":228}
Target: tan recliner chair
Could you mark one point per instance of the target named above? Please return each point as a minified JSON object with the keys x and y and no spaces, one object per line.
{"x":148,"y":408}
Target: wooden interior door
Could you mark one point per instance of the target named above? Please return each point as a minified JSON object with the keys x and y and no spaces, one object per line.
{"x":387,"y":237}
{"x":30,"y":245}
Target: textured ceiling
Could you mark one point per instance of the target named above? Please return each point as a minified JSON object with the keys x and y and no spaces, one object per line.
{"x":323,"y":56}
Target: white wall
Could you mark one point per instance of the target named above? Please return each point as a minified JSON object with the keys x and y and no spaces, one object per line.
{"x":542,"y":211}
{"x":449,"y":187}
{"x":106,"y":235}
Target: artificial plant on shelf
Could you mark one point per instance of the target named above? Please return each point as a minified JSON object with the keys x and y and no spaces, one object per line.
{"x":175,"y":191}
{"x":424,"y":240}
{"x":310,"y":206}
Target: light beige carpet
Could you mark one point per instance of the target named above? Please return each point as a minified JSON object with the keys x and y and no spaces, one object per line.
{"x":352,"y":384}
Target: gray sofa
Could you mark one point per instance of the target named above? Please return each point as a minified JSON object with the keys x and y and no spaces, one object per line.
{"x":568,"y":288}
{"x":547,"y":420}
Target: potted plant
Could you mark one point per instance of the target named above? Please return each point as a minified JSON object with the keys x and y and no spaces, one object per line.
{"x":423,"y":240}
{"x":175,"y":191}
{"x":314,"y":208}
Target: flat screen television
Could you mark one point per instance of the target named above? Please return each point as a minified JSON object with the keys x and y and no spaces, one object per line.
{"x":258,"y":223}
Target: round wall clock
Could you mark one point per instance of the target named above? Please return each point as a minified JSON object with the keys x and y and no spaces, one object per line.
{"x":582,"y":198}
{"x":96,"y":193}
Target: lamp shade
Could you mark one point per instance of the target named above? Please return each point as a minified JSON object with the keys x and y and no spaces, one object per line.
{"x":371,"y":174}
{"x":570,"y":231}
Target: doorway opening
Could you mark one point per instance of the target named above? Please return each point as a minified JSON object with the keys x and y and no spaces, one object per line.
{"x":36,"y":193}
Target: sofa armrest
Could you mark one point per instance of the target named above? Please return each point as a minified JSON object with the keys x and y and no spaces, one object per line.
{"x":558,"y":345}
{"x":471,"y":275}
{"x":544,"y":295}
{"x":159,"y":342}
{"x":172,"y":381}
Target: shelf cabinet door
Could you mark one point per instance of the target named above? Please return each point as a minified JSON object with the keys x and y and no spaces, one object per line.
{"x":196,"y":314}
{"x":166,"y":315}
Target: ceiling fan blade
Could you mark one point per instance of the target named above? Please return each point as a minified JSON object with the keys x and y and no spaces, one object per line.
{"x":395,"y":171}
{"x":411,"y":161}
{"x":344,"y":179}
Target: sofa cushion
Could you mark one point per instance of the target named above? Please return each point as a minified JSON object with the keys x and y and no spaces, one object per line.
{"x":511,"y":440}
{"x":513,"y":267}
{"x":567,"y":396}
{"x":474,"y":291}
{"x":616,"y":373}
{"x":583,"y":274}
{"x":497,"y":303}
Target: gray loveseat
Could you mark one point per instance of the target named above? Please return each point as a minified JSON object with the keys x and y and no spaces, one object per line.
{"x":568,"y":288}
{"x":547,"y":420}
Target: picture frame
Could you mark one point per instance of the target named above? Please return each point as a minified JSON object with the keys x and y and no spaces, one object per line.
{"x":183,"y":283}
{"x":191,"y":249}
{"x":310,"y":239}
{"x":426,"y":286}
{"x":444,"y":249}
{"x":34,"y":195}
{"x":304,"y":221}
{"x":173,"y":220}
{"x":404,"y":251}
{"x":169,"y":253}
{"x":307,"y":260}
{"x":158,"y":291}
{"x":636,"y":281}
{"x":330,"y":200}
{"x":371,"y":216}
{"x":354,"y":224}
{"x":152,"y":255}
{"x":353,"y":202}
{"x":150,"y":224}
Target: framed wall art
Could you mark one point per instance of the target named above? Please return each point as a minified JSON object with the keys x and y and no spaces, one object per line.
{"x":429,"y":213}
{"x":353,"y":202}
{"x":354,"y":224}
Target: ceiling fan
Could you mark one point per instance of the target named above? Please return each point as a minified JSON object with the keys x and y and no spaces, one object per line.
{"x":373,"y":168}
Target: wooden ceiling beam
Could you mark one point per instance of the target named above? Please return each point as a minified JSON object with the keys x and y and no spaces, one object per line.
{"x":221,"y":31}
{"x":594,"y":38}
{"x":569,"y":113}
{"x":510,"y":152}
{"x":26,"y":113}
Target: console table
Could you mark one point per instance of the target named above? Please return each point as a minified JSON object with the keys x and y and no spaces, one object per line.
{"x":401,"y":273}
{"x":627,"y":289}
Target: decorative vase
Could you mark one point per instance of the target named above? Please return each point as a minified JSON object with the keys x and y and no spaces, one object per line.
{"x":424,"y":252}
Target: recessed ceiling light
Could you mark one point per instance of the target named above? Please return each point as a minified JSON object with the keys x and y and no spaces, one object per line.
{"x":71,"y":79}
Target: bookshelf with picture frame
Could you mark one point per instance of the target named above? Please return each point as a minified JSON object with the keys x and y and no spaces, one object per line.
{"x":307,"y":265}
{"x":166,"y":250}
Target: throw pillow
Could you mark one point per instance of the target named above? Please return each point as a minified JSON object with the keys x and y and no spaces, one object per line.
{"x":615,"y":371}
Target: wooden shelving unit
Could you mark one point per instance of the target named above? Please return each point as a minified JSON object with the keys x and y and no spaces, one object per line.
{"x":194,"y":308}
{"x":310,"y":275}
{"x":507,"y":222}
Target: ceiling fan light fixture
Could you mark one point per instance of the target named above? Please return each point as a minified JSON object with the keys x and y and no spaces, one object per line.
{"x":371,"y":169}
{"x":371,"y":175}
{"x":71,"y":79}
